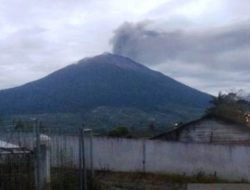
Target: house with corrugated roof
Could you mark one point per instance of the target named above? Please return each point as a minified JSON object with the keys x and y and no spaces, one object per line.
{"x":9,"y":148}
{"x":209,"y":129}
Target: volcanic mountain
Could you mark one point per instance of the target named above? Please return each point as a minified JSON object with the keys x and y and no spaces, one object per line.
{"x":105,"y":81}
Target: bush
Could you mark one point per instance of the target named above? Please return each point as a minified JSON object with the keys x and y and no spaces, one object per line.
{"x":119,"y":132}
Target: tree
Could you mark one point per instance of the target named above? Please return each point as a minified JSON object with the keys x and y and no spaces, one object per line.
{"x":119,"y":132}
{"x":152,"y":127}
{"x":21,"y":126}
{"x":229,"y":106}
{"x":1,"y":120}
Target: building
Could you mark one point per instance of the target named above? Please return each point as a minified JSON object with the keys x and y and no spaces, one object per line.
{"x":209,"y":130}
{"x":9,"y":148}
{"x":247,"y":118}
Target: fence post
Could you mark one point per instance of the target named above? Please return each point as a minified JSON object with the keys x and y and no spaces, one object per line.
{"x":91,"y":156}
{"x":42,"y":167}
{"x":82,"y":164}
{"x":143,"y":156}
{"x":37,"y":155}
{"x":80,"y":160}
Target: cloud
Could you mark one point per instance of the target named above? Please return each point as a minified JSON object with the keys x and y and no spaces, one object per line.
{"x":40,"y":37}
{"x":216,"y":50}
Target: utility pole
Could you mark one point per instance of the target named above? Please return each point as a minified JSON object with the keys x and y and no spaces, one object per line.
{"x":38,"y":164}
{"x":91,"y":156}
{"x":144,"y":156}
{"x":82,"y":162}
{"x":82,"y":157}
{"x":42,"y":159}
{"x":90,"y":132}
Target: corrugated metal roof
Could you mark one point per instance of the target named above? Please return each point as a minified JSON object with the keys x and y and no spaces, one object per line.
{"x":4,"y":144}
{"x":9,"y":148}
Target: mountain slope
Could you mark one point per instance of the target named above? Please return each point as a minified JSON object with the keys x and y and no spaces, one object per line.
{"x":105,"y":80}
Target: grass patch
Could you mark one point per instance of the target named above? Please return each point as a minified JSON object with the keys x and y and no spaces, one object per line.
{"x":106,"y":180}
{"x":172,"y":178}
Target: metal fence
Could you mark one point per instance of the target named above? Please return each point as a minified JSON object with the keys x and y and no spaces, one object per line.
{"x":33,"y":157}
{"x":16,"y":169}
{"x":16,"y":162}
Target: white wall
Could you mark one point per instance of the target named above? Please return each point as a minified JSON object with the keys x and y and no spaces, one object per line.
{"x":228,"y":161}
{"x":118,"y":154}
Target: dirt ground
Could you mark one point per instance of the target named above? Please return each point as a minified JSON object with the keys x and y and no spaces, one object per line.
{"x":142,"y":181}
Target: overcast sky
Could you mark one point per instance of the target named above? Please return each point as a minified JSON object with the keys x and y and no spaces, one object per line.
{"x":202,"y":43}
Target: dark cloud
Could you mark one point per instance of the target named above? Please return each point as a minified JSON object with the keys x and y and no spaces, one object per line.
{"x":188,"y":53}
{"x":227,"y":46}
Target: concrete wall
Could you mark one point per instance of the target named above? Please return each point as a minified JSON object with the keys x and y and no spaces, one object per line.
{"x":230,"y":162}
{"x":227,"y":161}
{"x":118,"y":154}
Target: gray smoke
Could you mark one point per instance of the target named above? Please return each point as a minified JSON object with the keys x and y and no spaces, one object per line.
{"x":224,"y":48}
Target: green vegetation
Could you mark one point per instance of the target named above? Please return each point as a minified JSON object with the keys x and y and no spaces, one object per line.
{"x":119,"y":132}
{"x":144,"y":181}
{"x":1,"y":120}
{"x":22,"y":126}
{"x":17,"y":172}
{"x":103,"y":119}
{"x":229,"y":106}
{"x":64,"y":178}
